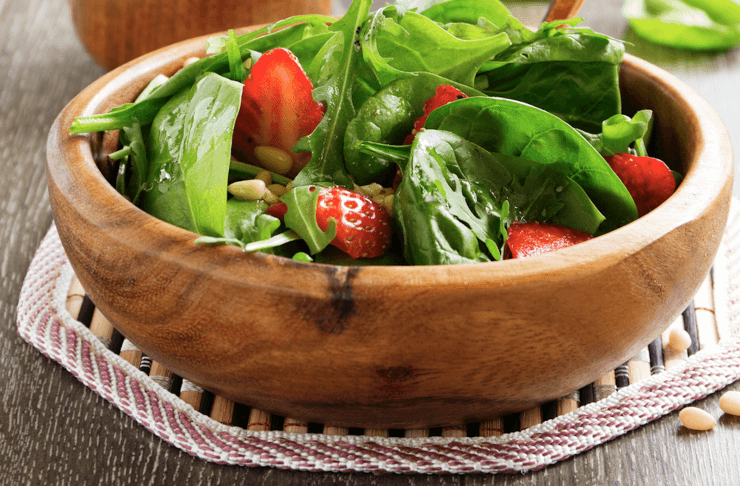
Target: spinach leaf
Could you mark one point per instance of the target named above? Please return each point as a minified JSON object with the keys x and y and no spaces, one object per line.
{"x":387,"y":117}
{"x":514,"y":128}
{"x":440,"y":215}
{"x":535,"y":191}
{"x":190,"y":145}
{"x":688,"y":24}
{"x":140,"y":163}
{"x":414,"y":43}
{"x":570,"y":72}
{"x":581,"y":93}
{"x":334,"y":89}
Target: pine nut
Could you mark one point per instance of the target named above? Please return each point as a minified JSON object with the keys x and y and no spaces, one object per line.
{"x":264,"y":176}
{"x":269,"y":197}
{"x":277,"y":189}
{"x":274,"y":159}
{"x":371,"y":190}
{"x":696,"y":419}
{"x":388,"y":204}
{"x":679,"y":339}
{"x":252,"y":190}
{"x":730,"y":403}
{"x":289,"y":186}
{"x":190,"y":61}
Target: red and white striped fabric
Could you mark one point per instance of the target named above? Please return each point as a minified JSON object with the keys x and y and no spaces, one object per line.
{"x":44,"y":322}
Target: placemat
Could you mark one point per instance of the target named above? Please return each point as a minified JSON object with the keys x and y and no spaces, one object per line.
{"x":654,"y":383}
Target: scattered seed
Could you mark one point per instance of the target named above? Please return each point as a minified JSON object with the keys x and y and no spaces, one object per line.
{"x":251,"y":190}
{"x":274,"y":159}
{"x":277,"y":189}
{"x":730,"y":403}
{"x":269,"y":197}
{"x":264,"y":176}
{"x":696,"y":419}
{"x":679,"y":339}
{"x":371,"y":190}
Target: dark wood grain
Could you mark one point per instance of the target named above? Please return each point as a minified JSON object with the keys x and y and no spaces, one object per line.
{"x":53,"y":430}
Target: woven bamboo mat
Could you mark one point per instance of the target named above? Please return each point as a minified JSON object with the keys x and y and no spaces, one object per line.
{"x":56,"y":317}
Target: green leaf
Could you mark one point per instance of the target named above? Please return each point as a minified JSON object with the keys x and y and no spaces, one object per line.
{"x":190,"y":148}
{"x":514,"y":128}
{"x":688,"y":24}
{"x":334,"y":89}
{"x":415,"y":43}
{"x":388,"y":117}
{"x":301,"y":217}
{"x":154,"y":84}
{"x":140,"y":163}
{"x":243,"y":171}
{"x":570,"y":72}
{"x":620,"y":132}
{"x":274,"y":35}
{"x":302,"y":257}
{"x":236,"y":69}
{"x":468,"y":11}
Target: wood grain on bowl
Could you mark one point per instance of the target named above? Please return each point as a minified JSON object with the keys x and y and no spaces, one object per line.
{"x":391,"y":347}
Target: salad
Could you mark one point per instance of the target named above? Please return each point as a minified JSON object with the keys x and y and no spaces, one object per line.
{"x":426,"y":132}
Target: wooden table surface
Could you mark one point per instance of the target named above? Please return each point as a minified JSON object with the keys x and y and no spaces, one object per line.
{"x":54,"y":430}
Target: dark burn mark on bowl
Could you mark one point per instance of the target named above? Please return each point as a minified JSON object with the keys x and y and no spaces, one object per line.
{"x":342,"y":304}
{"x":396,"y":374}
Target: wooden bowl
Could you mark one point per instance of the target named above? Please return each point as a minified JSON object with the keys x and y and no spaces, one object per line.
{"x":391,"y":347}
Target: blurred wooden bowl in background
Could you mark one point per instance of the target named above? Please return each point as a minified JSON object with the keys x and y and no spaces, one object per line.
{"x":117,"y":31}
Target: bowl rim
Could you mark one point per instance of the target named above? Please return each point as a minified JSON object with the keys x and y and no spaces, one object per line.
{"x":710,"y":171}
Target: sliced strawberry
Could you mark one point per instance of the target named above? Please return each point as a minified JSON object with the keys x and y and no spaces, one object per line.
{"x":363,"y":226}
{"x":529,"y":239}
{"x":444,"y":94}
{"x":649,"y":181}
{"x":277,"y":108}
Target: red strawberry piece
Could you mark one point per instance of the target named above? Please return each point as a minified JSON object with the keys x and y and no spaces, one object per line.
{"x":529,"y":239}
{"x":277,"y":210}
{"x":444,"y":94}
{"x":363,"y":226}
{"x":277,"y":108}
{"x":649,"y":181}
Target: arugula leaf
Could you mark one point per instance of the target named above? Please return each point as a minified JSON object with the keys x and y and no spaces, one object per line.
{"x":190,"y":147}
{"x":414,"y":43}
{"x":514,"y":128}
{"x":619,"y":132}
{"x":334,"y":89}
{"x":467,"y":11}
{"x":687,"y":24}
{"x":301,"y":218}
